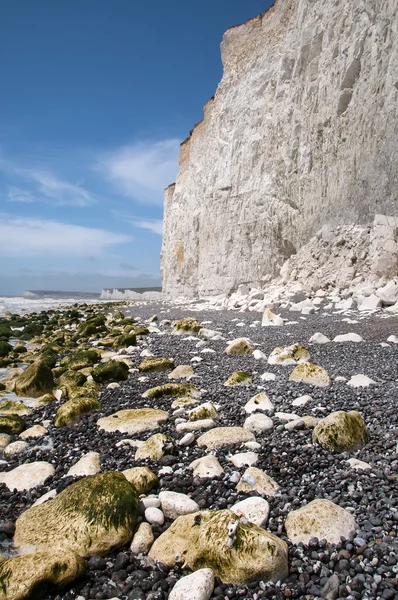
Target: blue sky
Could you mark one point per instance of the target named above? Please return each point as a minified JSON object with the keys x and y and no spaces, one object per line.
{"x":96,"y":98}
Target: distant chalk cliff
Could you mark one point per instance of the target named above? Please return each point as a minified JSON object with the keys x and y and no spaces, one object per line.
{"x":302,"y":132}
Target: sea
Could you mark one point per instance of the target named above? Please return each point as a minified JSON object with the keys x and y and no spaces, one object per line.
{"x":22,"y":305}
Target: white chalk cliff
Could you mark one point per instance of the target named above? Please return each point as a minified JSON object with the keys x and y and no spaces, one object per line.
{"x":302,"y":132}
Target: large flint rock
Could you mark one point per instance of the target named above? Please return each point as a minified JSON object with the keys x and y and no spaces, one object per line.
{"x":322,"y":519}
{"x":30,"y":576}
{"x":134,"y":420}
{"x":202,"y":540}
{"x":341,"y":432}
{"x":91,"y":516}
{"x":311,"y":374}
{"x":27,"y":476}
{"x":35,"y":381}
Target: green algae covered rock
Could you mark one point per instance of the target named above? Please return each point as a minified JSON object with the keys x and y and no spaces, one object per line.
{"x":32,"y":576}
{"x":115,"y":370}
{"x":72,"y":379}
{"x":155,"y":364}
{"x":5,"y":348}
{"x":91,"y":516}
{"x":12,"y":424}
{"x":172,"y":389}
{"x":203,"y":411}
{"x":35,"y":381}
{"x":141,"y":330}
{"x":45,"y":399}
{"x":311,"y":374}
{"x":341,"y":432}
{"x":184,"y":402}
{"x":72,"y":411}
{"x":142,"y":478}
{"x":80,"y":360}
{"x":13,"y":407}
{"x":289,"y":355}
{"x":186,"y":326}
{"x":155,"y":447}
{"x":239,"y":346}
{"x":88,"y":390}
{"x":124,"y":341}
{"x":134,"y":420}
{"x":238,"y":378}
{"x":204,"y":540}
{"x":322,"y":519}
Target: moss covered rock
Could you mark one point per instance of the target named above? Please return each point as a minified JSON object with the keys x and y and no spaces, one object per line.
{"x":141,"y":330}
{"x":184,"y":402}
{"x":72,"y":378}
{"x":155,"y":364}
{"x":13,"y":407}
{"x":322,"y":519}
{"x":225,"y":436}
{"x":35,"y":381}
{"x":72,"y":411}
{"x":238,"y":378}
{"x":32,"y":576}
{"x":142,"y":478}
{"x":204,"y":539}
{"x":341,"y":432}
{"x":5,"y":348}
{"x":134,"y":420}
{"x":115,"y":370}
{"x":239,"y":346}
{"x":311,"y":374}
{"x":182,"y":372}
{"x":187,"y":326}
{"x":124,"y":341}
{"x":45,"y":399}
{"x":289,"y":355}
{"x":203,"y":411}
{"x":91,"y":516}
{"x":155,"y":447}
{"x":12,"y":424}
{"x":80,"y":360}
{"x":88,"y":390}
{"x":256,"y":480}
{"x":172,"y":389}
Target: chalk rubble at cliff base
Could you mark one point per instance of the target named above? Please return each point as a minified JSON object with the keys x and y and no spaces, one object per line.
{"x":293,"y":495}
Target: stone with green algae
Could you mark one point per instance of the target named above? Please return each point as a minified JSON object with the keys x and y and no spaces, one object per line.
{"x":35,"y":381}
{"x":13,"y":407}
{"x":204,"y":539}
{"x":80,"y":360}
{"x":142,"y":478}
{"x":184,"y":402}
{"x":73,"y":410}
{"x":238,"y":378}
{"x":71,"y":378}
{"x":341,"y":432}
{"x":114,"y":370}
{"x":289,"y":355}
{"x":92,"y":516}
{"x":311,"y":374}
{"x":239,"y":346}
{"x":207,"y":410}
{"x":172,"y":389}
{"x":12,"y":424}
{"x":134,"y":420}
{"x":155,"y":364}
{"x":187,"y":326}
{"x":125,"y":340}
{"x":31,"y":576}
{"x":155,"y":447}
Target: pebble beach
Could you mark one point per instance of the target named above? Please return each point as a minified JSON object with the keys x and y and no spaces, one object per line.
{"x":268,"y":453}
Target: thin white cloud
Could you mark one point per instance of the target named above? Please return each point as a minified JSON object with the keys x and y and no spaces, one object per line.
{"x":142,"y":170}
{"x":17,"y":194}
{"x":154,"y":225}
{"x":29,"y":237}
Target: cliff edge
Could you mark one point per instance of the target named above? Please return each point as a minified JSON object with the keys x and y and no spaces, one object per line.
{"x":301,"y":132}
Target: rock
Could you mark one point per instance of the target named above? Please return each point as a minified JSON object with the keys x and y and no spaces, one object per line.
{"x":259,"y":402}
{"x":73,"y":410}
{"x":282,"y":416}
{"x":255,"y":509}
{"x":184,"y":402}
{"x":296,"y":424}
{"x":182,"y":372}
{"x":206,"y":467}
{"x":330,"y":590}
{"x":319,"y":338}
{"x":48,"y":496}
{"x":172,"y":389}
{"x":71,"y":378}
{"x":258,"y":423}
{"x":80,"y":360}
{"x":322,"y":519}
{"x":35,"y":381}
{"x":142,"y":540}
{"x":372,"y":302}
{"x":304,"y":306}
{"x":210,"y":334}
{"x":238,"y":378}
{"x":133,"y":421}
{"x":360,"y":380}
{"x":225,"y":436}
{"x":188,"y":325}
{"x":114,"y":370}
{"x":388,"y":294}
{"x":13,"y":407}
{"x":244,"y":459}
{"x":5,"y":439}
{"x":256,"y":480}
{"x":12,"y":424}
{"x":154,"y":516}
{"x":202,"y":539}
{"x":91,"y":516}
{"x":203,"y":411}
{"x":128,"y":339}
{"x":30,"y":575}
{"x":15,"y":448}
{"x":113,"y":386}
{"x":271,"y":319}
{"x":27,"y":476}
{"x":187,"y":440}
{"x":311,"y":374}
{"x":35,"y":431}
{"x":359,"y":465}
{"x":89,"y":464}
{"x":197,"y":586}
{"x":174,"y":505}
{"x":393,"y":339}
{"x":142,"y":478}
{"x":239,"y":346}
{"x":290,"y":355}
{"x":301,"y":401}
{"x":308,"y":421}
{"x":341,"y":432}
{"x":268,"y":377}
{"x":201,"y":425}
{"x":155,"y":447}
{"x":348,"y":337}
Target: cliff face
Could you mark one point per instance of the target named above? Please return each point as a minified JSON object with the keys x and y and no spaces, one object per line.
{"x":302,"y":131}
